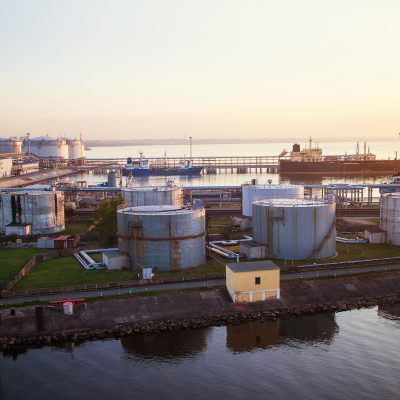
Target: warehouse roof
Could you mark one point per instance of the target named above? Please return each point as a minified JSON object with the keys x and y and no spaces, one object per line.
{"x":252,"y":266}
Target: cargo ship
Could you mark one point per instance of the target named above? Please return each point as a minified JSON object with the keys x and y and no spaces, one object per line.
{"x":143,"y":167}
{"x":310,"y":161}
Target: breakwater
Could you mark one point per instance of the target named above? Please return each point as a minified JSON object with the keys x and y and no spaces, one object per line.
{"x":189,"y":310}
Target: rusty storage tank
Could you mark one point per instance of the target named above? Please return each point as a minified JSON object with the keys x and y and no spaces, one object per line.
{"x":10,"y":145}
{"x":253,"y":192}
{"x":295,"y":229}
{"x":41,"y":210}
{"x":153,"y":195}
{"x":390,"y":217}
{"x":163,"y":237}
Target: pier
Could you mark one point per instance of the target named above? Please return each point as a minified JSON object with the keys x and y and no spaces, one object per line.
{"x":210,"y":165}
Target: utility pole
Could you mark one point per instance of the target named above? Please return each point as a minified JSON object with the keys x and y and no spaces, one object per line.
{"x":190,"y":144}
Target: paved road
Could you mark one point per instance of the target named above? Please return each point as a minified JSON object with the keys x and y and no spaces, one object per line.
{"x":35,"y":177}
{"x":196,"y":284}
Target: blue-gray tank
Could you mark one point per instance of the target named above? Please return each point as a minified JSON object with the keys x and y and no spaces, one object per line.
{"x":164,"y":237}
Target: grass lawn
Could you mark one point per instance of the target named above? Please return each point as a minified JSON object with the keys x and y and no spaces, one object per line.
{"x":12,"y":260}
{"x":75,"y":227}
{"x":66,"y":271}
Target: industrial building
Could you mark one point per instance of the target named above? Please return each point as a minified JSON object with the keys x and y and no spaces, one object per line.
{"x":163,"y":237}
{"x":253,"y":281}
{"x":295,"y":229}
{"x":6,"y":166}
{"x":31,"y":212}
{"x":253,"y":191}
{"x":169,"y":194}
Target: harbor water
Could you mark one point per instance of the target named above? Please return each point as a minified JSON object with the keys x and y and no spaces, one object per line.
{"x":348,"y":355}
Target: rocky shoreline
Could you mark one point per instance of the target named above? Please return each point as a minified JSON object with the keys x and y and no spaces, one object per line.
{"x":243,"y":314}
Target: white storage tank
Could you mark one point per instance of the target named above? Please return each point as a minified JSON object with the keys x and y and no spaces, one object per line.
{"x":46,"y":146}
{"x":162,"y":237}
{"x":76,"y":149}
{"x":254,"y":192}
{"x":153,"y":195}
{"x":390,"y":217}
{"x":10,"y":145}
{"x":295,"y":229}
{"x":42,"y":210}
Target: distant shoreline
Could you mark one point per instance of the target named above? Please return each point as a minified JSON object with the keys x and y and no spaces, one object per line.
{"x":172,"y":142}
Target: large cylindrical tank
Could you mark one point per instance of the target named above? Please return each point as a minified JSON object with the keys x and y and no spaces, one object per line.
{"x":46,"y":146}
{"x":254,"y":192}
{"x":43,"y":210}
{"x":295,"y":229}
{"x":10,"y":145}
{"x":390,"y":217}
{"x":153,"y":195}
{"x":76,"y":149}
{"x":162,"y":237}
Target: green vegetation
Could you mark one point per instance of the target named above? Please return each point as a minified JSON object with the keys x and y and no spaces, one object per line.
{"x":66,"y":271}
{"x":75,"y":227}
{"x":106,"y":215}
{"x":212,"y":267}
{"x":12,"y":260}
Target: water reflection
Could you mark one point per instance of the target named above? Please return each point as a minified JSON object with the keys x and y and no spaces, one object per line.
{"x":390,"y":312}
{"x":261,"y":335}
{"x":166,"y":345}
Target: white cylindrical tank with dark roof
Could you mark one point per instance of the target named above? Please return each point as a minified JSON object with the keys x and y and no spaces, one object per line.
{"x":42,"y":210}
{"x":295,"y":229}
{"x":10,"y":145}
{"x":153,"y":195}
{"x":390,"y":217}
{"x":162,"y":237}
{"x":254,"y":192}
{"x":46,"y":146}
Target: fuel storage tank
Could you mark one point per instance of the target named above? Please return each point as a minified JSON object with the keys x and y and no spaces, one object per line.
{"x":10,"y":145}
{"x":76,"y":149}
{"x":41,"y":210}
{"x":295,"y":229}
{"x":254,"y":191}
{"x":162,"y":237}
{"x":390,"y":217}
{"x":153,"y":195}
{"x":46,"y":146}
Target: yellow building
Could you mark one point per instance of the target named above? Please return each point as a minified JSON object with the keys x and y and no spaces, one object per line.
{"x":253,"y":281}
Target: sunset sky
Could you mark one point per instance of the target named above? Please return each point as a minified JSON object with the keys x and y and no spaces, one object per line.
{"x":219,"y":68}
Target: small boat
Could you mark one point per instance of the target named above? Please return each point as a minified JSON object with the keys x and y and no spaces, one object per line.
{"x":142,"y":167}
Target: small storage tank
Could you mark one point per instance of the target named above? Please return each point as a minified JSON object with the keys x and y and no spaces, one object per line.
{"x":112,"y":179}
{"x":46,"y":146}
{"x":163,"y":237}
{"x":76,"y":149}
{"x":253,"y":192}
{"x":390,"y":217}
{"x":295,"y":229}
{"x":42,"y":210}
{"x":10,"y":145}
{"x":153,"y":195}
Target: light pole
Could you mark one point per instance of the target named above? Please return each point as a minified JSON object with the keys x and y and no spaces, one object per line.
{"x":190,"y":144}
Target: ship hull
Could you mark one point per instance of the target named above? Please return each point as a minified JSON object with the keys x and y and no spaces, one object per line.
{"x":336,"y":167}
{"x":162,"y":171}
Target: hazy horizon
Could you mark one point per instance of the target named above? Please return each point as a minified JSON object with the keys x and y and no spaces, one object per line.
{"x":149,"y":69}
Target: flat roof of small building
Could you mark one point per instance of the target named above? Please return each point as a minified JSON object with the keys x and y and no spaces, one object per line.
{"x":252,"y":266}
{"x":112,"y":253}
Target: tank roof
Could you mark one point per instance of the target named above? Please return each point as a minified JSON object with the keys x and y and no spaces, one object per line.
{"x":149,"y":188}
{"x":157,"y":210}
{"x":292,"y":203}
{"x":27,"y":192}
